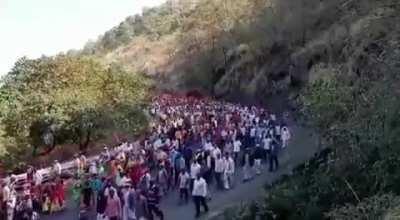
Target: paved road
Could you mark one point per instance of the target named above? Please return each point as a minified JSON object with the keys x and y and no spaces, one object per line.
{"x":302,"y":147}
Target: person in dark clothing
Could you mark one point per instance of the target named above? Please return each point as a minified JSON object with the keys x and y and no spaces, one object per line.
{"x":273,"y":161}
{"x":101,"y":203}
{"x":153,"y":201}
{"x":187,"y":154}
{"x":208,"y":166}
{"x":247,"y":142}
{"x":258,"y":155}
{"x":86,"y":201}
{"x":87,"y":196}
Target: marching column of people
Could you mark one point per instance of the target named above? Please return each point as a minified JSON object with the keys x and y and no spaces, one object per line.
{"x":192,"y":144}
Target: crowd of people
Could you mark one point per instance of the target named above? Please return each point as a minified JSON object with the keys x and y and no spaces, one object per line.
{"x":192,"y":144}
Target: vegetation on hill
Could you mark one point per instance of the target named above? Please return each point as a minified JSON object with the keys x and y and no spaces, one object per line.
{"x":337,"y":61}
{"x":53,"y":101}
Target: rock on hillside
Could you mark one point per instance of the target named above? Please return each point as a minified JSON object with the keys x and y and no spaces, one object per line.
{"x":354,"y":43}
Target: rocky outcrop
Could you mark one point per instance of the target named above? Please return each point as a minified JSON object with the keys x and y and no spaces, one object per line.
{"x":352,"y":44}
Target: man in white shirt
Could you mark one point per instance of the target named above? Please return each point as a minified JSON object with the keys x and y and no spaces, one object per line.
{"x":194,"y":171}
{"x":180,"y":122}
{"x":184,"y":186}
{"x":224,"y":133}
{"x":57,"y":169}
{"x":229,"y":171}
{"x":267,"y":145}
{"x":237,"y":144}
{"x":93,"y":168}
{"x":78,"y":164}
{"x":199,"y":194}
{"x":253,"y":132}
{"x":285,"y":136}
{"x":208,"y":146}
{"x":219,"y":171}
{"x":38,"y":177}
{"x":216,"y":151}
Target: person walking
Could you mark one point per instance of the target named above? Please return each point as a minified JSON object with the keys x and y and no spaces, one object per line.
{"x":57,"y":169}
{"x":194,"y":171}
{"x":258,"y":155}
{"x":113,"y":208}
{"x":285,"y":135}
{"x":101,"y":205}
{"x":162,"y":179}
{"x":87,"y":198}
{"x":183,"y":186}
{"x":229,"y":171}
{"x":199,"y":194}
{"x":141,"y":207}
{"x":129,"y":196}
{"x":246,"y":164}
{"x":267,"y":146}
{"x":273,"y":162}
{"x":219,"y":171}
{"x":208,"y":165}
{"x":236,"y":149}
{"x":179,"y":165}
{"x":153,"y":201}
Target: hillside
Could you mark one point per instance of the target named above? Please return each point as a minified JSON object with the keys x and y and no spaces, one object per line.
{"x":246,"y":49}
{"x":335,"y":62}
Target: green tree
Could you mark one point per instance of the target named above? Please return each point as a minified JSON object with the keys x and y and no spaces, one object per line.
{"x":50,"y":101}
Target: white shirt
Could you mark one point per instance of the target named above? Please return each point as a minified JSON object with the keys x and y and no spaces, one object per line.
{"x":107,"y":191}
{"x":93,"y":169}
{"x":236,"y":146}
{"x":215,"y":123}
{"x":194,"y":170}
{"x":208,"y":146}
{"x":267,"y":143}
{"x":183,"y":180}
{"x":285,"y":134}
{"x":224,"y":133}
{"x":278,"y":129}
{"x":199,"y":187}
{"x":57,"y":168}
{"x":219,"y":165}
{"x":6,"y":193}
{"x":78,"y":163}
{"x":253,"y":132}
{"x":180,"y":122}
{"x":216,"y":152}
{"x":230,"y":166}
{"x":157,"y":144}
{"x":38,"y":177}
{"x":243,"y":130}
{"x":208,"y":161}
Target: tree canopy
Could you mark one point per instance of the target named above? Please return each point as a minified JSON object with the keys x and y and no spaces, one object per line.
{"x":51,"y":101}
